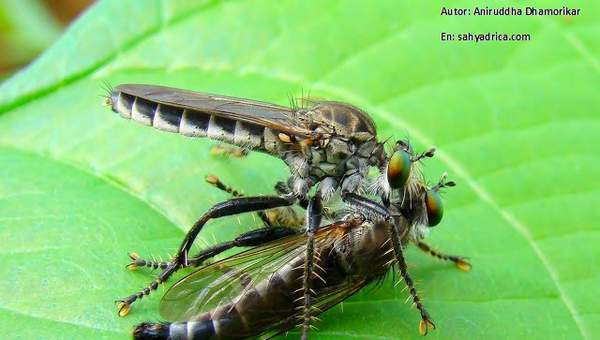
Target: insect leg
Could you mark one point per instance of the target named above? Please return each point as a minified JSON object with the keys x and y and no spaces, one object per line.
{"x":138,"y":262}
{"x":215,"y":181}
{"x":252,"y":238}
{"x":372,"y":210}
{"x":313,"y":215}
{"x":227,"y":208}
{"x":460,"y":262}
{"x":228,"y":150}
{"x":426,"y":322}
{"x":281,"y":217}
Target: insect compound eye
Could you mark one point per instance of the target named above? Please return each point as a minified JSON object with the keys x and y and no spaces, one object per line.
{"x":435,"y":208}
{"x":398,"y":168}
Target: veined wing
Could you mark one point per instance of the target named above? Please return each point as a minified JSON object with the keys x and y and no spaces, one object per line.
{"x":276,"y":117}
{"x":221,"y":284}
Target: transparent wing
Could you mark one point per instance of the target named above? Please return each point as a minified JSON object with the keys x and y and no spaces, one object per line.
{"x":277,"y":117}
{"x":222,"y":282}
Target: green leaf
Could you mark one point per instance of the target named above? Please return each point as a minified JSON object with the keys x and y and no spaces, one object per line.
{"x":515,"y":124}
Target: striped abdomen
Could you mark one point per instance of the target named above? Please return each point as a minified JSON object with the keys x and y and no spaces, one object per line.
{"x":195,"y":123}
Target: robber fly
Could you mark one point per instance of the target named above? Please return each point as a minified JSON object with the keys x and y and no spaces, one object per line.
{"x":264,"y":291}
{"x":328,"y":143}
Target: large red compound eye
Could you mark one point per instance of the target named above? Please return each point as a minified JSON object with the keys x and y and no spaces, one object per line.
{"x":435,"y":207}
{"x":398,"y":169}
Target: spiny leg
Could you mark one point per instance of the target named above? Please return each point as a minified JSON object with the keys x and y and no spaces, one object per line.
{"x":252,"y":238}
{"x":460,"y":262}
{"x":228,"y":150}
{"x":426,"y":322}
{"x":227,"y":208}
{"x":282,"y":217}
{"x":215,"y":181}
{"x":374,"y":211}
{"x":313,"y":216}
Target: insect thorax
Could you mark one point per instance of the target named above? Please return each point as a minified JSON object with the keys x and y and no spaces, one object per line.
{"x":342,"y":154}
{"x":336,"y":162}
{"x":365,"y":251}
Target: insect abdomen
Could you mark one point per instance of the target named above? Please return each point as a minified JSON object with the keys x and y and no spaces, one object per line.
{"x":176,"y":330}
{"x":194,"y":123}
{"x":261,"y":306}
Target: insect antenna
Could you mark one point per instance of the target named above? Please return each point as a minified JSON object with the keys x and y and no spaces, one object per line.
{"x":443,"y":183}
{"x":426,"y":154}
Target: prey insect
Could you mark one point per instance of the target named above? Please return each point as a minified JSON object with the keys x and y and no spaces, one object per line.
{"x":263,"y":291}
{"x":325,"y":143}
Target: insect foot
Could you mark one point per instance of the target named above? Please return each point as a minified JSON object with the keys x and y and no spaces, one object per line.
{"x":135,"y":261}
{"x":426,"y":324}
{"x":123,"y":307}
{"x":463,"y":264}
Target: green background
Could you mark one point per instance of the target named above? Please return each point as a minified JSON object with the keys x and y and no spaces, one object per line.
{"x":516,"y":126}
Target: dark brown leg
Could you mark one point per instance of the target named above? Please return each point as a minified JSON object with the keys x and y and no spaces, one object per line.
{"x":230,"y":207}
{"x":460,"y":262}
{"x":426,"y":322}
{"x":313,"y":214}
{"x":249,"y":239}
{"x":281,"y":217}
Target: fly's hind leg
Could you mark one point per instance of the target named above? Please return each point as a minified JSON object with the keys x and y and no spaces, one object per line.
{"x":278,"y":218}
{"x":249,"y":239}
{"x":216,"y":182}
{"x":281,"y":217}
{"x":181,"y":259}
{"x":460,"y":262}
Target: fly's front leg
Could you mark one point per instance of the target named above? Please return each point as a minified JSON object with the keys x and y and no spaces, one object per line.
{"x":374,"y":211}
{"x":460,"y":262}
{"x":313,"y":216}
{"x":370,"y":209}
{"x":426,"y":323}
{"x":230,"y":207}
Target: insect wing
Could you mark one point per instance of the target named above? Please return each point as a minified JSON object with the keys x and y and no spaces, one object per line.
{"x":276,"y":117}
{"x":221,"y":282}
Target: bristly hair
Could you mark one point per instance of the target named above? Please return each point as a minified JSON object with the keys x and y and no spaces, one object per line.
{"x":298,"y":102}
{"x":107,"y":93}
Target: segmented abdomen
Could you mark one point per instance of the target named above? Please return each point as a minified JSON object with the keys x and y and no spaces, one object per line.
{"x":194,"y":123}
